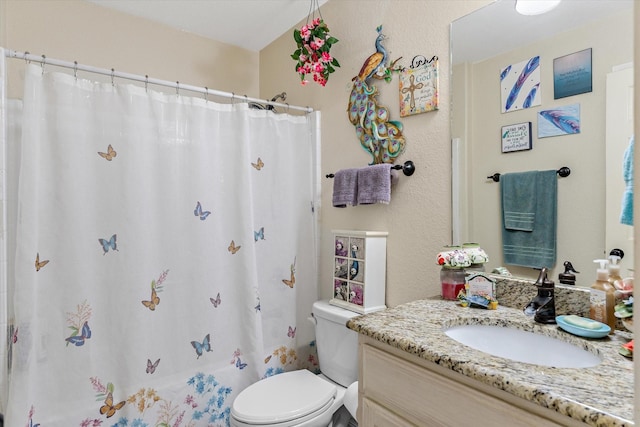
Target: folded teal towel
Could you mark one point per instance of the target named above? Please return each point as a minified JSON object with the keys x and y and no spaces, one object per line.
{"x":626,"y":216}
{"x":519,"y":200}
{"x":535,"y":248}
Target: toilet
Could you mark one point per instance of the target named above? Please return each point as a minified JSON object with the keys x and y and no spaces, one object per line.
{"x":301,"y":398}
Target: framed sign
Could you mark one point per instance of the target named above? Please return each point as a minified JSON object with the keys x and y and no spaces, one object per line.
{"x":516,"y":137}
{"x":419,"y":87}
{"x":572,"y":74}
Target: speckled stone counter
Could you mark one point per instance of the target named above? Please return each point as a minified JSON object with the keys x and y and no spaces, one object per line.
{"x":598,"y":396}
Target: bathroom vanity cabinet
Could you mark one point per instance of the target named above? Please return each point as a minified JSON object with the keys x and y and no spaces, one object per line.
{"x":400,"y":389}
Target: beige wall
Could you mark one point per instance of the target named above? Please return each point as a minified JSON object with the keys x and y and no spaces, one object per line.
{"x":581,"y":220}
{"x":75,"y":30}
{"x":419,"y":217}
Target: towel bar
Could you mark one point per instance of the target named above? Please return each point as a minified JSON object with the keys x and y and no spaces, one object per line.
{"x":408,"y":169}
{"x":563,"y":172}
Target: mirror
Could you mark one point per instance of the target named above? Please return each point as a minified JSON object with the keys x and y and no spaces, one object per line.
{"x":487,"y":41}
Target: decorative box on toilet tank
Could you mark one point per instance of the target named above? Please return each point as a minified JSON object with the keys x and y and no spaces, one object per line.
{"x":359,"y":270}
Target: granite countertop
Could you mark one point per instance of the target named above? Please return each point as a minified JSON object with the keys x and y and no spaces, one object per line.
{"x":598,"y":396}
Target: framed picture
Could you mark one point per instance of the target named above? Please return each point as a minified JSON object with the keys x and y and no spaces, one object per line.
{"x":564,"y":120}
{"x":520,"y":85}
{"x":516,"y":137}
{"x":572,"y":74}
{"x":419,"y":88}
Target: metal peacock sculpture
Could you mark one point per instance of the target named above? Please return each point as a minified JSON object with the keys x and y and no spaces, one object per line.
{"x":378,"y":135}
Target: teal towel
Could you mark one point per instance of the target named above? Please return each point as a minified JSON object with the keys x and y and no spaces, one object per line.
{"x":626,"y":216}
{"x":535,"y":248}
{"x":519,"y":200}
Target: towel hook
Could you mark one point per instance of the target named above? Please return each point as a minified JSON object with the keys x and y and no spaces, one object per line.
{"x":408,"y":168}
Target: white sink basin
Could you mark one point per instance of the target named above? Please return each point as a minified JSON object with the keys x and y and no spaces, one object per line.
{"x":523,"y":346}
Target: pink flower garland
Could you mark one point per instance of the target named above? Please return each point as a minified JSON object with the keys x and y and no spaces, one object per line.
{"x":312,"y":55}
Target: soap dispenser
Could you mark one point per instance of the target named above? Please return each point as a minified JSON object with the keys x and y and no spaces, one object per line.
{"x":602,"y":298}
{"x":568,"y":278}
{"x":614,"y":268}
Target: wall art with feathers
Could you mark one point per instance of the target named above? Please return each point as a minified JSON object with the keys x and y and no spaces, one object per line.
{"x":377,"y":133}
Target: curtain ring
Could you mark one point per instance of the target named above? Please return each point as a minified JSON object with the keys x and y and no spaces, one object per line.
{"x":146,"y":82}
{"x":25,"y":58}
{"x":75,"y":70}
{"x":206,"y":94}
{"x":287,"y":107}
{"x":44,"y":60}
{"x":113,"y":75}
{"x":177,"y":88}
{"x":233,"y":98}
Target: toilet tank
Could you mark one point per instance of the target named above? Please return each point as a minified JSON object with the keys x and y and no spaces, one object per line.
{"x":337,"y":345}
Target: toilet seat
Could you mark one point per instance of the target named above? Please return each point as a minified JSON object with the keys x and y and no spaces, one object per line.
{"x":286,"y":399}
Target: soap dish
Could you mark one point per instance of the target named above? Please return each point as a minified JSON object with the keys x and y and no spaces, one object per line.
{"x":603,"y":331}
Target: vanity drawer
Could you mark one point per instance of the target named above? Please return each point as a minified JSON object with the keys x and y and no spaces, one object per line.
{"x":427,"y":398}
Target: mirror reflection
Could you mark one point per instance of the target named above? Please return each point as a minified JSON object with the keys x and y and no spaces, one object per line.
{"x":589,"y":200}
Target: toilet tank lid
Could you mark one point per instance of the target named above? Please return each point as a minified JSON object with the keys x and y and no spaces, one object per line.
{"x":282,"y":398}
{"x":331,"y":312}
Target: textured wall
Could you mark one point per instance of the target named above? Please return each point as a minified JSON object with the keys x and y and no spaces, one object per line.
{"x":419,"y":217}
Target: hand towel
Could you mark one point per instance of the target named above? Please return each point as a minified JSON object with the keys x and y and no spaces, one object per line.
{"x":374,"y":184}
{"x":345,"y":188}
{"x":626,"y":216}
{"x":519,"y":200}
{"x":536,"y":248}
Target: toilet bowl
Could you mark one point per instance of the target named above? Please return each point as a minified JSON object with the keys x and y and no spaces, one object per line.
{"x":302,"y":398}
{"x":297,"y":398}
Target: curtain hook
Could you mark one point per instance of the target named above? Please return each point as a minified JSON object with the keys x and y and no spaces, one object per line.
{"x":177,"y":88}
{"x":146,"y":82}
{"x":75,"y":70}
{"x":25,"y":58}
{"x":206,"y":94}
{"x":233,"y":98}
{"x":113,"y":75}
{"x":287,"y":107}
{"x":44,"y":60}
{"x":246,"y":98}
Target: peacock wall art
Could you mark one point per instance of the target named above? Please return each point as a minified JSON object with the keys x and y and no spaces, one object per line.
{"x":377,"y":133}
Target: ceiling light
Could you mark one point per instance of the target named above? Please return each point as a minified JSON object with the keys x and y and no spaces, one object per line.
{"x":535,"y":7}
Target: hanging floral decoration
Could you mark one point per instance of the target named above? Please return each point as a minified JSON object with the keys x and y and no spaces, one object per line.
{"x":312,"y":56}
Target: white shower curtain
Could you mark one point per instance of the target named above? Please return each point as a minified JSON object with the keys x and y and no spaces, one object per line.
{"x":165,"y":255}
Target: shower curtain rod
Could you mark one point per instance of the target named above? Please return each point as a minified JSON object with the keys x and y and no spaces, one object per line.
{"x":26,"y":56}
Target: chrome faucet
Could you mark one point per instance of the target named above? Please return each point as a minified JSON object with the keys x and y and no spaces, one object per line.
{"x":543,"y":306}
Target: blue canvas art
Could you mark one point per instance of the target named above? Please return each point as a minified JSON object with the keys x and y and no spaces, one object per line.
{"x":563,"y":120}
{"x":572,"y":74}
{"x":520,"y":85}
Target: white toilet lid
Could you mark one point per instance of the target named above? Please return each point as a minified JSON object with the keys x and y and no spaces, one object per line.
{"x":282,"y":398}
